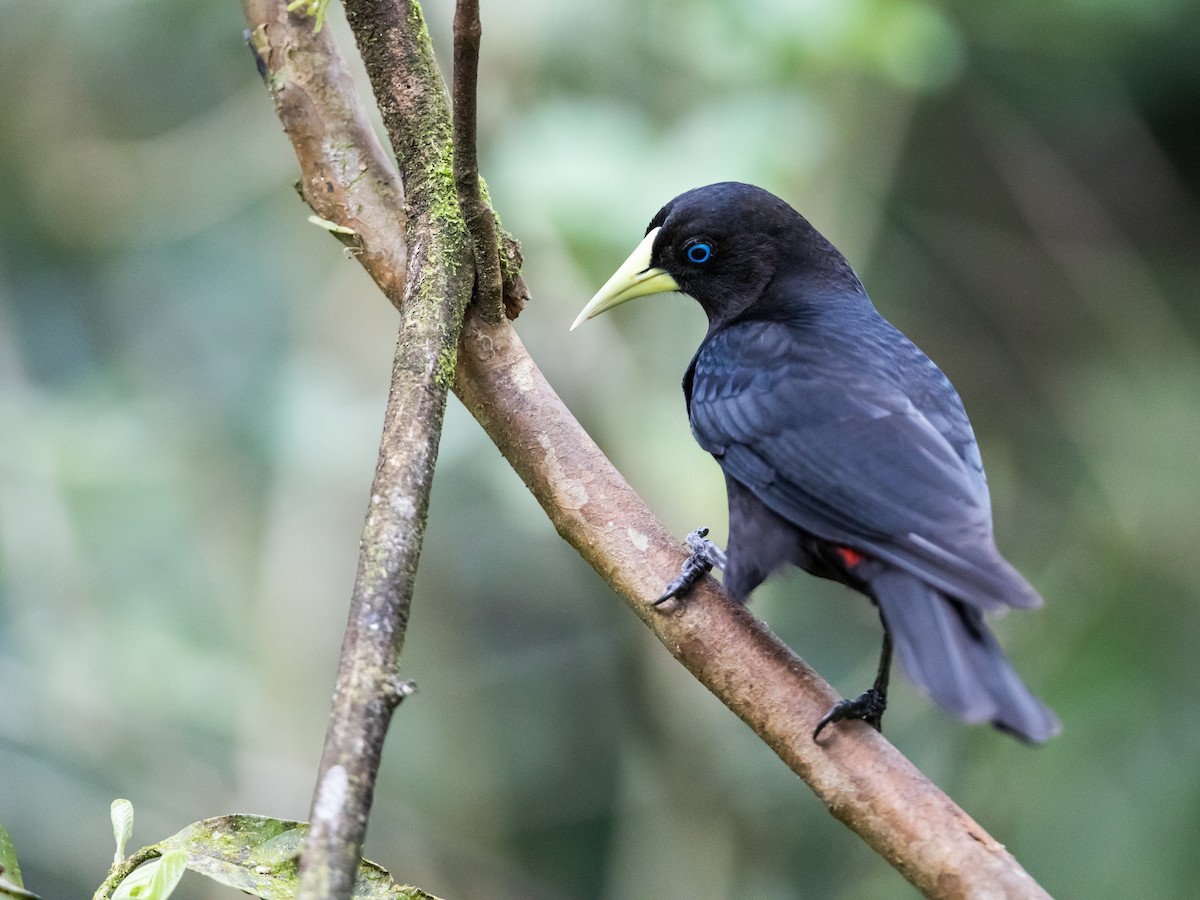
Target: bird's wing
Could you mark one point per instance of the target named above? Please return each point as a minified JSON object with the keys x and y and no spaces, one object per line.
{"x":848,"y":457}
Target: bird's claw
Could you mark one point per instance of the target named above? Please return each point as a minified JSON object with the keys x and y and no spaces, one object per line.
{"x":705,"y":556}
{"x":867,"y":706}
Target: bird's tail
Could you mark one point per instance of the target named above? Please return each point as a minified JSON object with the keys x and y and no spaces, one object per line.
{"x":946,"y":649}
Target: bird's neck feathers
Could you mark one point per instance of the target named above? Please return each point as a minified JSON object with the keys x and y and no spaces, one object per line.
{"x":807,"y":278}
{"x":812,"y":265}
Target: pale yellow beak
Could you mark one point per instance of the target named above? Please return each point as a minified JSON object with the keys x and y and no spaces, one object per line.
{"x":634,"y":279}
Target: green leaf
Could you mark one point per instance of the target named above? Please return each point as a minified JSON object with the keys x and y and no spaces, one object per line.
{"x":121,"y":813}
{"x":259,"y":856}
{"x":8,"y":859}
{"x":10,"y":873}
{"x":330,"y":226}
{"x":348,"y":237}
{"x":154,"y":880}
{"x":8,"y":889}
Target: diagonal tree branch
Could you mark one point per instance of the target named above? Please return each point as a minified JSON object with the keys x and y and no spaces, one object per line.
{"x":863,"y":780}
{"x":351,"y":183}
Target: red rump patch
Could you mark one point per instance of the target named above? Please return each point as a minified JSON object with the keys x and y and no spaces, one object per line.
{"x":850,"y":558}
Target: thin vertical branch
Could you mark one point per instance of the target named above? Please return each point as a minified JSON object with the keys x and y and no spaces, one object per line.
{"x":435,"y":270}
{"x":479,"y":217}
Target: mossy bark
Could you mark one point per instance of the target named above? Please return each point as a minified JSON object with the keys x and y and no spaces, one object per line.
{"x":437,"y":285}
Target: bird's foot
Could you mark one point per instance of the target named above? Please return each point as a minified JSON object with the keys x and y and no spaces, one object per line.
{"x":868,"y":706}
{"x":705,"y":556}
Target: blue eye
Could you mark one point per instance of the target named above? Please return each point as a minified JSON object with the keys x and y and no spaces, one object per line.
{"x":699,"y":252}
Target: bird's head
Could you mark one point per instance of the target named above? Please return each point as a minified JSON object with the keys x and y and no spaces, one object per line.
{"x":721,"y":244}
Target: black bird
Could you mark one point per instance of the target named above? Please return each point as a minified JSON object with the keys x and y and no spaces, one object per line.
{"x":846,"y":451}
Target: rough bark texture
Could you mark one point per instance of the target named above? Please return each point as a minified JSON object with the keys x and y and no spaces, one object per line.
{"x":480,"y":220}
{"x":349,"y":181}
{"x":433,"y":265}
{"x":863,"y":780}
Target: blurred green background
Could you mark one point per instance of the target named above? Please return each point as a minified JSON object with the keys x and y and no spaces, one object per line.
{"x":192,"y":382}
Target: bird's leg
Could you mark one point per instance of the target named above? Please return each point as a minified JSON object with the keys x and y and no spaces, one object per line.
{"x":705,"y":556}
{"x":870,"y":704}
